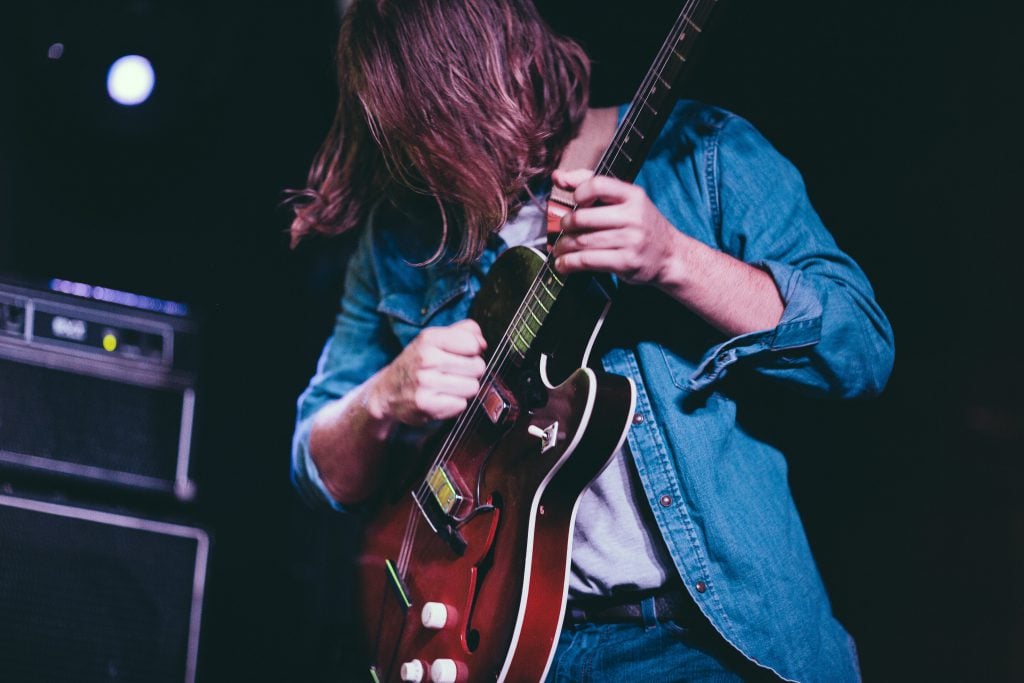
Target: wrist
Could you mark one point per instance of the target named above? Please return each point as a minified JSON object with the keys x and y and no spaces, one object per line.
{"x":374,"y":400}
{"x":675,"y":277}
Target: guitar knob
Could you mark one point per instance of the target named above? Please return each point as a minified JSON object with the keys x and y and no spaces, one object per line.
{"x":412,"y":672}
{"x":443,"y":671}
{"x":434,"y":615}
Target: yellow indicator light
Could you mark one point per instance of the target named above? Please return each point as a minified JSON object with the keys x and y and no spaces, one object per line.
{"x":109,"y":342}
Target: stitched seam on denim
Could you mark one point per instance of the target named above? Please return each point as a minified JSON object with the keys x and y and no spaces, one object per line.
{"x":668,"y":368}
{"x":711,"y":180}
{"x":668,"y":474}
{"x":587,"y":658}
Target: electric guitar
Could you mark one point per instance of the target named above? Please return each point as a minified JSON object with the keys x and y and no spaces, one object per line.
{"x":465,"y":564}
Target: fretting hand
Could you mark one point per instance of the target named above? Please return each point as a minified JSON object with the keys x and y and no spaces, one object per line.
{"x":615,"y":229}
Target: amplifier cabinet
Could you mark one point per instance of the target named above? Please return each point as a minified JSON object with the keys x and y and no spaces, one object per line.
{"x":96,"y":391}
{"x":89,"y":596}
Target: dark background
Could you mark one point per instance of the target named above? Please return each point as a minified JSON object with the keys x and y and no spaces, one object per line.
{"x":902,"y":116}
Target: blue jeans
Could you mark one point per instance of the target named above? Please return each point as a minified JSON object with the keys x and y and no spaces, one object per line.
{"x":654,"y":650}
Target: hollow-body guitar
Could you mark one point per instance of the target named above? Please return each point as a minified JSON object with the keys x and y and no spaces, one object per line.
{"x":464,"y":566}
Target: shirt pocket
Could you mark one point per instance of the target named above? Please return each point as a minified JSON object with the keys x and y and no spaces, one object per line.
{"x":441,"y":302}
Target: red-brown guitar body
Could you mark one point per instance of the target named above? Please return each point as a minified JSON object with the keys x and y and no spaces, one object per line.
{"x":482,"y":540}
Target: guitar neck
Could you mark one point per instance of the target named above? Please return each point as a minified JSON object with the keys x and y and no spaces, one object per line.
{"x":652,"y":102}
{"x":638,"y":129}
{"x":655,"y":97}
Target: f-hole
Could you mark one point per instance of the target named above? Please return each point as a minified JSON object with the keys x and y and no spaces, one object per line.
{"x":482,"y":569}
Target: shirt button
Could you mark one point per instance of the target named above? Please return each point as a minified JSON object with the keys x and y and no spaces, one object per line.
{"x":665,"y":501}
{"x":638,"y":418}
{"x":701,"y":586}
{"x":423,"y":311}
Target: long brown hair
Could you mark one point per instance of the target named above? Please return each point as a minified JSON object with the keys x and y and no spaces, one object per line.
{"x":465,"y":101}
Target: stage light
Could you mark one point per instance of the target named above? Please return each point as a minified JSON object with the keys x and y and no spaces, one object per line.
{"x":130,"y":80}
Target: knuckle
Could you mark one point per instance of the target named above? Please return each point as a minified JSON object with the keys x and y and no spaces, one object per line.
{"x":429,"y":357}
{"x":421,"y":400}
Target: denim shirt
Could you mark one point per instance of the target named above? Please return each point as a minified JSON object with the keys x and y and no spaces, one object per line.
{"x":718,"y":492}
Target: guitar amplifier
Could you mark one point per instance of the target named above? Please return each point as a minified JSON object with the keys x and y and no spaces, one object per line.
{"x":97,"y":384}
{"x":89,"y":596}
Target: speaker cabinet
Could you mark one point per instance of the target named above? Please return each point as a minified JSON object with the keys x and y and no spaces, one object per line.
{"x":89,"y":596}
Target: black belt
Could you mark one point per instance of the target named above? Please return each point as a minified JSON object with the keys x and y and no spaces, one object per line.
{"x":671,"y":603}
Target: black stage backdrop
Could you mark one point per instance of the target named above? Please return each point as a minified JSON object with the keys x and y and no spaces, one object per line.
{"x":904,"y":118}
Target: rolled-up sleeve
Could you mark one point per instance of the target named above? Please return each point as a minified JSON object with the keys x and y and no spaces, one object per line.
{"x":360,"y":344}
{"x":833,"y":339}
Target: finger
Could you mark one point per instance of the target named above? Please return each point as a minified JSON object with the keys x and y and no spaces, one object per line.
{"x":449,"y":406}
{"x":460,"y":339}
{"x":448,"y":384}
{"x":599,"y":260}
{"x":569,"y":242}
{"x":569,"y":180}
{"x":463,"y":366}
{"x":597,"y":218}
{"x":604,"y":190}
{"x":434,"y":406}
{"x":473,"y":327}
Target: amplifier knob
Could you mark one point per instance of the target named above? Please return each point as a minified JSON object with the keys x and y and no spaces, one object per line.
{"x":434,"y":615}
{"x":443,"y":671}
{"x":412,"y":672}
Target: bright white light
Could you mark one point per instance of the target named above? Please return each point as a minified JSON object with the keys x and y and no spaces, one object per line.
{"x":130,"y":80}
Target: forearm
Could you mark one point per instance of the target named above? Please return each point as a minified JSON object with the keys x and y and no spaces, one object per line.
{"x":348,"y":444}
{"x":732,"y":296}
{"x":433,"y":378}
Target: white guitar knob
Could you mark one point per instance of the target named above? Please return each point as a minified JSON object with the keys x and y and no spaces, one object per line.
{"x":434,"y":615}
{"x":443,"y":671}
{"x":412,"y":672}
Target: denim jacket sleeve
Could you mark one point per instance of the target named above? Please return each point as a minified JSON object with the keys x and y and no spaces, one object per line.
{"x":833,"y":338}
{"x":360,"y":344}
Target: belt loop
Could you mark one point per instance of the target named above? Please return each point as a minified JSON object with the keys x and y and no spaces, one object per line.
{"x":649,"y":611}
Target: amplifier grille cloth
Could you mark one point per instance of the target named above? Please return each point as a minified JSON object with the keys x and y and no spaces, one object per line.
{"x":89,"y":421}
{"x":83,"y":601}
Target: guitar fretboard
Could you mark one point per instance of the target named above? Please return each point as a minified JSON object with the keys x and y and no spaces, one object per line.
{"x":630,"y":145}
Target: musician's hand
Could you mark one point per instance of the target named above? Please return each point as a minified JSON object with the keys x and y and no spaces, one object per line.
{"x":625,"y":234}
{"x":433,"y":378}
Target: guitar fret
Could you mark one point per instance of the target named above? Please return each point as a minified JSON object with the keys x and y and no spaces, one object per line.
{"x":690,"y":22}
{"x":534,"y":316}
{"x":522,"y":346}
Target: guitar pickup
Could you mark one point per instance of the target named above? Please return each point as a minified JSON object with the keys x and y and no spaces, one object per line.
{"x":498,"y":404}
{"x":445,"y":493}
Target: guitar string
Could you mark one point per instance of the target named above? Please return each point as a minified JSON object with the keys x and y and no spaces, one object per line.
{"x":501,"y":354}
{"x":471,"y":414}
{"x":643,"y":93}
